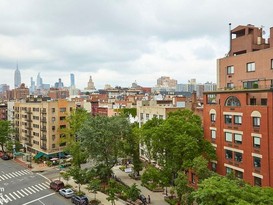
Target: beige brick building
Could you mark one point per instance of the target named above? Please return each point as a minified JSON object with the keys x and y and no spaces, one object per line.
{"x":37,"y":124}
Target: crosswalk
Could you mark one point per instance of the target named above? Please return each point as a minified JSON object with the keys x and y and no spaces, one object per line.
{"x":14,"y":174}
{"x":18,"y":194}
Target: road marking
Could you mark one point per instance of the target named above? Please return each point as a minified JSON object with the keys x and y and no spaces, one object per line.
{"x":20,"y":193}
{"x":7,"y":197}
{"x":33,"y":187}
{"x":44,"y":177}
{"x":38,"y":199}
{"x":2,"y":178}
{"x":14,"y":173}
{"x":24,"y":192}
{"x":38,"y":187}
{"x":28,"y":191}
{"x":5,"y":177}
{"x":32,"y":190}
{"x":46,"y":185}
{"x":16,"y":195}
{"x":12,"y":196}
{"x":8,"y":176}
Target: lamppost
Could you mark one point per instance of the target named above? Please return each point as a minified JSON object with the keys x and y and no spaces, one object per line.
{"x":14,"y":151}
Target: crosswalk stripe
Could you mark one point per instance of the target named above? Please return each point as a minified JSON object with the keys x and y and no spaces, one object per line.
{"x":46,"y":185}
{"x":25,"y":171}
{"x":16,"y":195}
{"x":2,"y":178}
{"x":14,"y":173}
{"x":3,"y":199}
{"x":28,"y":191}
{"x":7,"y":197}
{"x":20,"y":172}
{"x":20,"y":194}
{"x":32,"y":190}
{"x":11,"y":174}
{"x":38,"y":187}
{"x":12,"y":196}
{"x":35,"y":188}
{"x":7,"y":175}
{"x":24,"y":192}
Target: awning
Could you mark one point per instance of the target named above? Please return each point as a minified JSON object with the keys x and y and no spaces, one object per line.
{"x":40,"y":154}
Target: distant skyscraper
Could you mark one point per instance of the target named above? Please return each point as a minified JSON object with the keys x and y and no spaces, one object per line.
{"x":90,"y":84}
{"x":32,"y":85}
{"x":39,"y":81}
{"x":59,"y":84}
{"x":72,"y":80}
{"x":17,"y":78}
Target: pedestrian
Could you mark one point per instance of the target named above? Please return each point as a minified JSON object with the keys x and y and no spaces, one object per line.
{"x":149,"y":199}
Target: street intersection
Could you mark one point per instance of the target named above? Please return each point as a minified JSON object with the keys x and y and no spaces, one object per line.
{"x":20,"y":186}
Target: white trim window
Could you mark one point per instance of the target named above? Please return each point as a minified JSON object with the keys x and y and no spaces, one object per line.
{"x":230,"y":69}
{"x":256,"y":142}
{"x":256,"y":121}
{"x":237,"y":119}
{"x":238,"y":138}
{"x":250,"y":67}
{"x":228,"y":136}
{"x":213,"y":134}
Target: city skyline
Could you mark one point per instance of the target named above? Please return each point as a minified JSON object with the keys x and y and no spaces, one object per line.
{"x":121,"y":42}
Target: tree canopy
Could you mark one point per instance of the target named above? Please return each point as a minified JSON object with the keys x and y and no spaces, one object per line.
{"x":5,"y":131}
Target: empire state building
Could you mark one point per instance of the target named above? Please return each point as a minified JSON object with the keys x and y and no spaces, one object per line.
{"x":17,"y":78}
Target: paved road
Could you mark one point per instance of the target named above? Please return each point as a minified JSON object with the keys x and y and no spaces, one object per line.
{"x":19,"y":186}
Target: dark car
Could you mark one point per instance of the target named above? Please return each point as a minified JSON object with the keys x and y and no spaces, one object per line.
{"x":143,"y":199}
{"x":79,"y":200}
{"x":5,"y":157}
{"x":56,"y":185}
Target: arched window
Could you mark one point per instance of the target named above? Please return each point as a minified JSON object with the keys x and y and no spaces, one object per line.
{"x":232,"y":101}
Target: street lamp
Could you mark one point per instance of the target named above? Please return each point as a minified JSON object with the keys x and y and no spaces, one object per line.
{"x":14,"y":151}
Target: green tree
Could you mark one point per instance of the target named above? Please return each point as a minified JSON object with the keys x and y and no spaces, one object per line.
{"x":65,"y":176}
{"x":112,"y":191}
{"x":131,"y":148}
{"x":182,"y":188}
{"x":94,"y":186}
{"x":79,"y":175}
{"x":200,"y":167}
{"x":133,"y":192}
{"x":222,"y":190}
{"x":103,"y":138}
{"x":5,"y":131}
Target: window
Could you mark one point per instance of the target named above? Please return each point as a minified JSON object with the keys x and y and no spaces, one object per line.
{"x":53,"y":119}
{"x":53,"y":146}
{"x":271,"y":63}
{"x":160,"y":116}
{"x":147,"y":116}
{"x":252,"y":101}
{"x":239,"y":174}
{"x":257,"y":162}
{"x":228,"y":119}
{"x":230,"y":70}
{"x":238,"y":156}
{"x":237,"y":119}
{"x":263,"y":101}
{"x":257,"y":181}
{"x":141,"y":116}
{"x":232,"y":101}
{"x":53,"y":110}
{"x":228,"y":170}
{"x":53,"y":137}
{"x":256,"y":121}
{"x":250,"y":67}
{"x":53,"y":128}
{"x":228,"y":154}
{"x":228,"y":136}
{"x":250,"y":84}
{"x":256,"y":142}
{"x":212,"y":117}
{"x":238,"y":138}
{"x":213,"y":134}
{"x":62,"y":109}
{"x":62,"y":118}
{"x":230,"y":85}
{"x":213,"y":166}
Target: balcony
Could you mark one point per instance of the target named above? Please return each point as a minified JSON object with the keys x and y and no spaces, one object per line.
{"x":43,"y":129}
{"x":44,"y":120}
{"x":43,"y":147}
{"x":29,"y":120}
{"x":43,"y":138}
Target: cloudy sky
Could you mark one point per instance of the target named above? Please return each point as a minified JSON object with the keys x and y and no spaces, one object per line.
{"x":118,"y":42}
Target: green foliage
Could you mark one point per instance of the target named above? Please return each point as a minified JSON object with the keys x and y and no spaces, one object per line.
{"x":182,"y":188}
{"x":133,"y":192}
{"x":222,"y":190}
{"x":79,"y":175}
{"x":112,"y":191}
{"x":103,"y":138}
{"x":152,"y":177}
{"x":65,"y":176}
{"x":127,"y":111}
{"x":94,"y":186}
{"x":200,"y":167}
{"x":5,"y":132}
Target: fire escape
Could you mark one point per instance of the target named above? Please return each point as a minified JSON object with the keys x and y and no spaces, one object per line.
{"x":43,"y":130}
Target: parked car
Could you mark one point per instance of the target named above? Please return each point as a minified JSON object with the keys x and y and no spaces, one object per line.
{"x":56,"y":185}
{"x":5,"y":157}
{"x":143,"y":199}
{"x":79,"y":200}
{"x":66,"y":192}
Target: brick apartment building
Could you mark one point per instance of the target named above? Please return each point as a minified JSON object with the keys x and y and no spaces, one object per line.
{"x":38,"y":121}
{"x":238,"y":117}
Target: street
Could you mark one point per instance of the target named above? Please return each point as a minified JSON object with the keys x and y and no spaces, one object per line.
{"x":19,"y":186}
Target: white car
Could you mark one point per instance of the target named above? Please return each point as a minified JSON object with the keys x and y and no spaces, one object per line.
{"x":66,"y":192}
